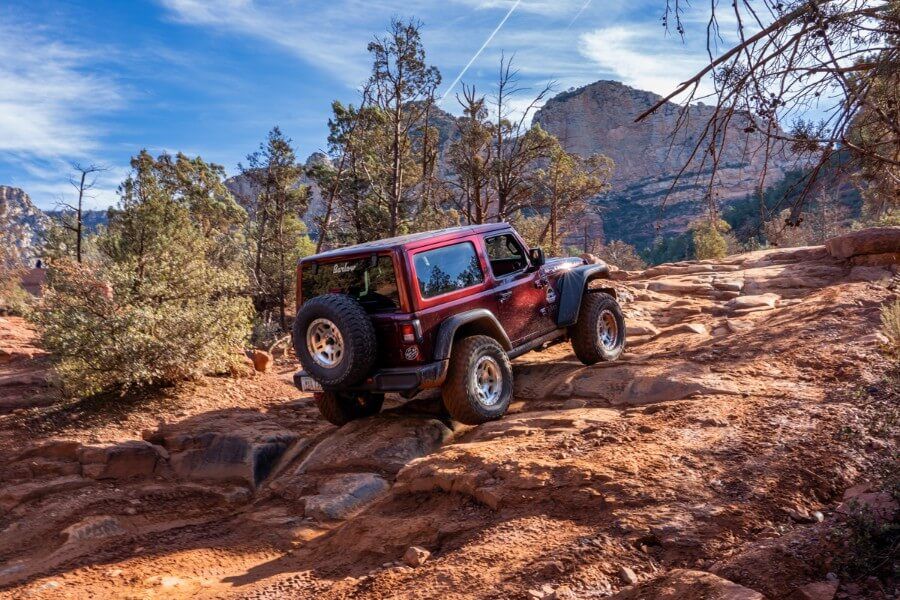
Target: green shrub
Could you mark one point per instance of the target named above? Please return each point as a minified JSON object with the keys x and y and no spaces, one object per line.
{"x":890,"y":327}
{"x":709,"y":241}
{"x":165,"y":297}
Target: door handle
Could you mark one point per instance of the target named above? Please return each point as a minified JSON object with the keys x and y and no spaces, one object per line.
{"x":504,"y":296}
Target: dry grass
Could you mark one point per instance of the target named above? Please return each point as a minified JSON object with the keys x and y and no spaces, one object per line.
{"x":890,"y":327}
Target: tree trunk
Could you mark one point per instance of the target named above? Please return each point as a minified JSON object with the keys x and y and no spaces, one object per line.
{"x":396,"y":186}
{"x":78,"y":224}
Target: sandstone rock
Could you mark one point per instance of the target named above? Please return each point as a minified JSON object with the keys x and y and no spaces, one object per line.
{"x":344,"y":495}
{"x":683,"y":328}
{"x":636,"y":327}
{"x":42,"y":467}
{"x":871,"y":274}
{"x":564,"y":592}
{"x":728,"y":285}
{"x":383,"y":443}
{"x":54,"y":449}
{"x":821,"y":590}
{"x":683,"y":584}
{"x":761,"y":301}
{"x":682,"y":381}
{"x":237,"y":446}
{"x":800,"y":515}
{"x":738,"y":325}
{"x":627,"y":575}
{"x":262,"y":361}
{"x":679,"y":288}
{"x":134,"y":458}
{"x":224,"y":457}
{"x":13,"y":495}
{"x":887,"y":259}
{"x":875,"y":240}
{"x":94,"y":528}
{"x":416,"y":556}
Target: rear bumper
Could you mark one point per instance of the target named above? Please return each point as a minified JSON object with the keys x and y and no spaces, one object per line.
{"x":400,"y":379}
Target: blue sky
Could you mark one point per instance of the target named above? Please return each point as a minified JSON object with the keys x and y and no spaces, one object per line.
{"x":96,"y":81}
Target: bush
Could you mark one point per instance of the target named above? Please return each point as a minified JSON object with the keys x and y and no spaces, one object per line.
{"x":622,"y":255}
{"x":164,"y":299}
{"x":709,"y":241}
{"x":13,"y":297}
{"x":890,"y":327}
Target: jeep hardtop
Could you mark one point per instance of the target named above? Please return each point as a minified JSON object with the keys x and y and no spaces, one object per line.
{"x":447,"y":309}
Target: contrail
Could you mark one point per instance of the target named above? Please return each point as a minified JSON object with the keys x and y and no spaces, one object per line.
{"x":578,"y":14}
{"x":480,"y":50}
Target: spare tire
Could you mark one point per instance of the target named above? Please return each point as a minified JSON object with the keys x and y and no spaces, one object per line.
{"x":334,"y":340}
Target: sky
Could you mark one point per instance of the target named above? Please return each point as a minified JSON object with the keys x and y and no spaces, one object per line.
{"x":94,"y":82}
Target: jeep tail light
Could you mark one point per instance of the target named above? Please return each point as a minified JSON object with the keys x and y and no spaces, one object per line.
{"x":411,"y":331}
{"x":408,"y":332}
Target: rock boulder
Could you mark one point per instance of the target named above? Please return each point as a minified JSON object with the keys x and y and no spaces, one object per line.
{"x":384,"y":443}
{"x":875,"y":240}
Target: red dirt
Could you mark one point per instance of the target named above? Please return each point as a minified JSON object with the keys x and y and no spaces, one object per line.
{"x":688,"y":454}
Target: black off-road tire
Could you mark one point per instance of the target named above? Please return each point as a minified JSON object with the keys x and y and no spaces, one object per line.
{"x":585,"y":333}
{"x":339,"y":408}
{"x":357,"y":332}
{"x":458,"y":392}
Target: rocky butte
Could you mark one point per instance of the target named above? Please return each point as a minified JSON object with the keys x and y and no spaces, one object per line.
{"x":600,"y":118}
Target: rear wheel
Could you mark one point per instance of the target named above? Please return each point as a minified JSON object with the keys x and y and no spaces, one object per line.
{"x":599,"y":334}
{"x":339,"y":408}
{"x":479,"y":381}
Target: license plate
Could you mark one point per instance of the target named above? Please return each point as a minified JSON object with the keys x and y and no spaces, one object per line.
{"x":310,"y":385}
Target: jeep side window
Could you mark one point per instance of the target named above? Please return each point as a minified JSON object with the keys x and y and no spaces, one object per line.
{"x":505,"y":254}
{"x":447,"y":269}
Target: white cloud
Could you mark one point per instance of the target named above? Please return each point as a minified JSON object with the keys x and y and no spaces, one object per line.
{"x":547,"y":8}
{"x":48,"y":101}
{"x":52,"y":101}
{"x":310,"y":34}
{"x":642,"y":57}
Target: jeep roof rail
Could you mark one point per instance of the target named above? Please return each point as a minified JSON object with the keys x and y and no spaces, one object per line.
{"x":411,"y":240}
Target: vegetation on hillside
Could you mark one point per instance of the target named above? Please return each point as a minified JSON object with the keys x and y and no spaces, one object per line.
{"x":165,"y":295}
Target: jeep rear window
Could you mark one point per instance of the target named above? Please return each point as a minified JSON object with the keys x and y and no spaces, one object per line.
{"x":371,"y":282}
{"x":447,"y":269}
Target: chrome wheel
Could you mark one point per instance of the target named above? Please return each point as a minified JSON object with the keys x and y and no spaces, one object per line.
{"x":607,"y":330}
{"x":488,"y":381}
{"x":324,"y":343}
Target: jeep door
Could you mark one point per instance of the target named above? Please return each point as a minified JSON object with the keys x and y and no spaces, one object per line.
{"x":521,"y":291}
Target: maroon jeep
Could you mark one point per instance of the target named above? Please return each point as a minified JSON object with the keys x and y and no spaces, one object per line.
{"x":446,"y":309}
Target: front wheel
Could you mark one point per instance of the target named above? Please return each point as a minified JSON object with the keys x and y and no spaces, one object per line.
{"x":479,"y":382}
{"x":599,"y":334}
{"x":339,"y":408}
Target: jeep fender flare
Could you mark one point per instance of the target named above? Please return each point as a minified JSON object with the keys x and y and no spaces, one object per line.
{"x":479,"y":321}
{"x":573,"y":285}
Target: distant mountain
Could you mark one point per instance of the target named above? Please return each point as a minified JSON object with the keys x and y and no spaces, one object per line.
{"x":600,"y":118}
{"x":28,"y":223}
{"x":244,"y":189}
{"x":25,"y":223}
{"x":92,"y":220}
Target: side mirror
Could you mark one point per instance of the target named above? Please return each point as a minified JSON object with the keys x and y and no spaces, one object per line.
{"x":537,"y":257}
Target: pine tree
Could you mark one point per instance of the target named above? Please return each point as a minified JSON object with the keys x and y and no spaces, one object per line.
{"x":164,"y":297}
{"x":276,"y":204}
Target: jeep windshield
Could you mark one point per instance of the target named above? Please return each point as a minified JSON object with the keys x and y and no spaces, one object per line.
{"x":370,"y":280}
